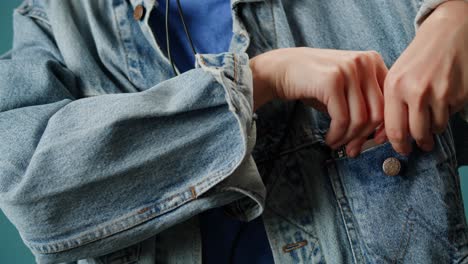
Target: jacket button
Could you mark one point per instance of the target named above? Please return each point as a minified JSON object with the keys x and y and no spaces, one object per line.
{"x":139,"y":12}
{"x":391,"y":166}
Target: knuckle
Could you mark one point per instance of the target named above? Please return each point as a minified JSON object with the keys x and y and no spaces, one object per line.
{"x":443,"y":94}
{"x":375,"y":55}
{"x":354,"y":130}
{"x":362,"y":121}
{"x":336,"y":77}
{"x":401,"y":82}
{"x":393,"y":82}
{"x":395,"y":135}
{"x":349,"y":68}
{"x":358,"y":125}
{"x":358,"y":58}
{"x":353,"y":61}
{"x":417,"y":96}
{"x":377,"y":119}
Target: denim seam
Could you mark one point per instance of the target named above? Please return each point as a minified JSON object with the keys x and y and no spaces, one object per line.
{"x":424,"y":225}
{"x":35,"y":14}
{"x":125,"y":50}
{"x":346,"y":216}
{"x":409,"y":228}
{"x":143,"y":214}
{"x":27,"y":8}
{"x":312,"y":236}
{"x":274,"y":23}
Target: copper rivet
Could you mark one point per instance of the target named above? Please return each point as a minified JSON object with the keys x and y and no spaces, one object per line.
{"x":391,"y":166}
{"x":139,"y":12}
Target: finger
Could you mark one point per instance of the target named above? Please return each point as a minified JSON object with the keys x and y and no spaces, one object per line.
{"x":337,"y":108}
{"x":354,"y":147}
{"x":439,"y":113}
{"x":396,"y":124}
{"x":381,"y":71}
{"x":380,"y":136}
{"x":420,"y":126}
{"x":357,"y":110}
{"x":373,"y":96}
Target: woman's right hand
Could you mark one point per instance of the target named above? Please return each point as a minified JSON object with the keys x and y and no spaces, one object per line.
{"x":348,"y":85}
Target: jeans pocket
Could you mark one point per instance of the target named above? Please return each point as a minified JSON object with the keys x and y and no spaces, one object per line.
{"x":414,"y":217}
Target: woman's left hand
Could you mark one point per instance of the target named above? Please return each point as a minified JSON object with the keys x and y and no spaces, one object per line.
{"x":429,"y":82}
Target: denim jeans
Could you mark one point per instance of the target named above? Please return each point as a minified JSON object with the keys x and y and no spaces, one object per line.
{"x":107,"y":157}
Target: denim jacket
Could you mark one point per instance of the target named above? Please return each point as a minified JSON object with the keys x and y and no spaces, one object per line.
{"x":106,"y":157}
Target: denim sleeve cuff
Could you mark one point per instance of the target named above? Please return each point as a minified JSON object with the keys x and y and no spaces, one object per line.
{"x":246,"y":180}
{"x":233,"y":72}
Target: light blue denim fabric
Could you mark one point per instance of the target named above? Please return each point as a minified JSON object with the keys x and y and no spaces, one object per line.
{"x":106,"y":157}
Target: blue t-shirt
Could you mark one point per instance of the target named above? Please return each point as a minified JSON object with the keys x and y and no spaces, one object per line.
{"x":209,"y":23}
{"x":224,"y":239}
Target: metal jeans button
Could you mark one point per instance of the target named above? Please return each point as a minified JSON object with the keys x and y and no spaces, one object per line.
{"x":391,"y":166}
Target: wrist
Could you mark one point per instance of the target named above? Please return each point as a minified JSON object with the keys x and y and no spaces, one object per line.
{"x":264,"y":84}
{"x":451,"y":11}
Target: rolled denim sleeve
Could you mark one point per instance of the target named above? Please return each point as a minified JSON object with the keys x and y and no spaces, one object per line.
{"x":83,"y":176}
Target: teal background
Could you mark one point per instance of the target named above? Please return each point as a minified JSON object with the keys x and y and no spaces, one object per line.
{"x":12,"y":249}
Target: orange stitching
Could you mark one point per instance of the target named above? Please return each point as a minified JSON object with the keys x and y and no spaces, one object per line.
{"x":235,"y":69}
{"x":143,"y":210}
{"x":203,"y":60}
{"x":194,"y":192}
{"x":290,"y":247}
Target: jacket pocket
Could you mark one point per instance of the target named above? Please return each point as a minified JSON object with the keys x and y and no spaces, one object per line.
{"x":414,"y":217}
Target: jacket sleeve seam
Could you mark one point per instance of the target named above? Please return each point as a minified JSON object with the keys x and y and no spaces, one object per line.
{"x":137,"y":216}
{"x":27,"y":8}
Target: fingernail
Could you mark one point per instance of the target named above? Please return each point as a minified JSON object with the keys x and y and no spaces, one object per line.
{"x":353,"y":152}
